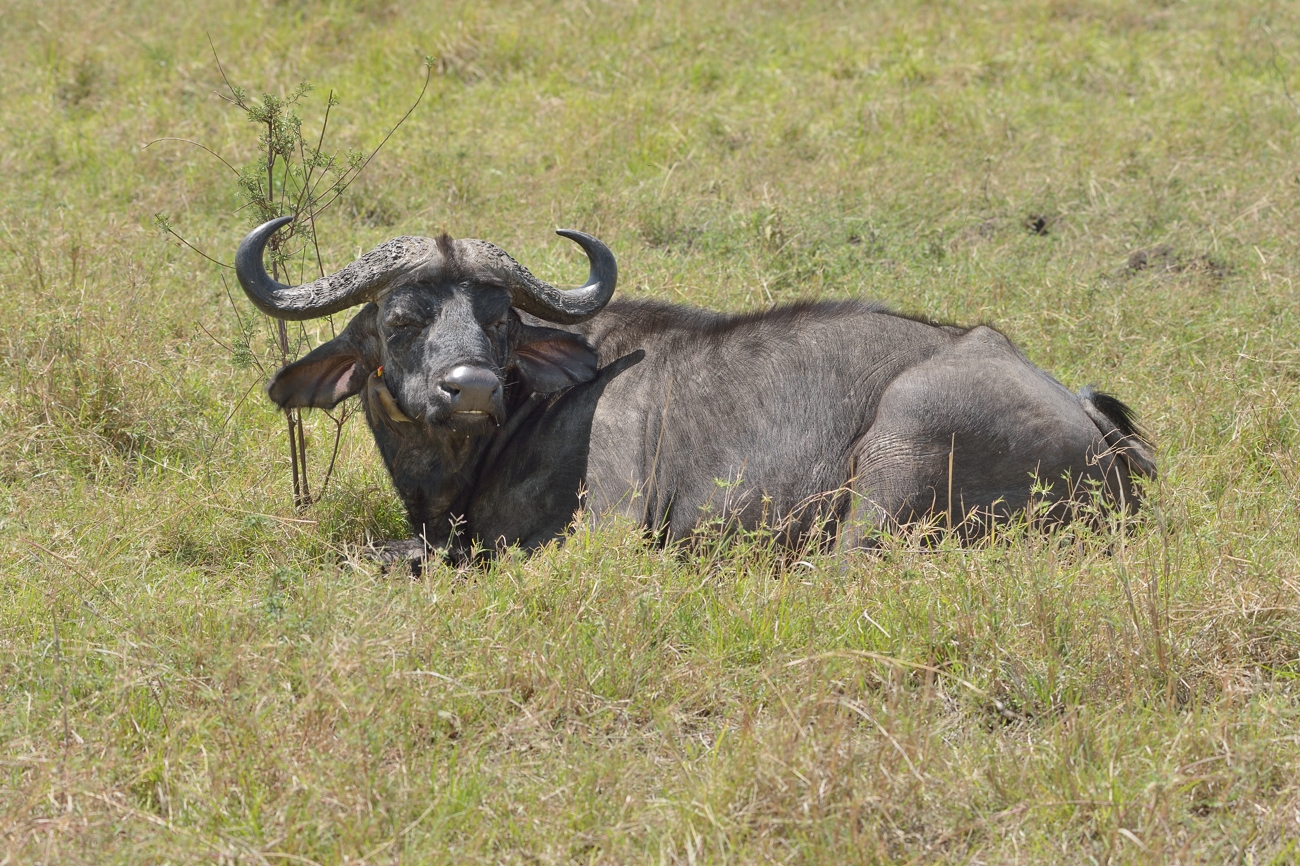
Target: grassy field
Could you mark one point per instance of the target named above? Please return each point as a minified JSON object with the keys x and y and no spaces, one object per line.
{"x":191,"y":670}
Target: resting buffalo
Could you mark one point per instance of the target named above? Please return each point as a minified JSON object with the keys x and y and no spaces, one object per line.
{"x":496,"y":400}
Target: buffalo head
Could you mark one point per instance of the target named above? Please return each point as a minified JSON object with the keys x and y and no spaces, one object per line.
{"x":441,"y":357}
{"x":440,"y":341}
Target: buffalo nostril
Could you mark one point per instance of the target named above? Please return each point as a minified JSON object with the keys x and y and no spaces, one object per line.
{"x":471,"y":389}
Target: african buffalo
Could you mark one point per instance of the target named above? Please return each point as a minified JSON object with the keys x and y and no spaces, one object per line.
{"x":496,"y":399}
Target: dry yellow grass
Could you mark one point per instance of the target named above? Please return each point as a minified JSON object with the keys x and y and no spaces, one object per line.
{"x":193,"y":671}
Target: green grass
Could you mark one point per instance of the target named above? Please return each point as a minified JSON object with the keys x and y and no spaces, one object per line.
{"x":192,"y":671}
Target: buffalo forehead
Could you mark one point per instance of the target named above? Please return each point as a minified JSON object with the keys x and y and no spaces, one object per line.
{"x":425,"y":301}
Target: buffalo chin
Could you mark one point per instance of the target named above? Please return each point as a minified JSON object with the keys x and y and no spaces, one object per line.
{"x":471,"y":422}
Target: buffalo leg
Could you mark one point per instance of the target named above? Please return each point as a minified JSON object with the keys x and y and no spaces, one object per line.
{"x":971,"y":437}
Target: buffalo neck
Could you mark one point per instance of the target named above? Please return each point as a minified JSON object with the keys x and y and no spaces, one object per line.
{"x":433,"y":468}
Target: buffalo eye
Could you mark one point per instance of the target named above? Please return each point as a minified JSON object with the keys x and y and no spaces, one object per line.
{"x":401,"y":322}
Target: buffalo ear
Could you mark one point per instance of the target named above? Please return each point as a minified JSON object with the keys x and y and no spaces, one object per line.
{"x":550,"y":360}
{"x":332,"y":371}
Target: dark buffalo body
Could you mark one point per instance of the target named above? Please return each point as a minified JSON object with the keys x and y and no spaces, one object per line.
{"x":839,"y":416}
{"x":496,"y":400}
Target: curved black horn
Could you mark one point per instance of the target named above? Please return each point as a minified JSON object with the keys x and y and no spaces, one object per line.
{"x":574,"y":305}
{"x":357,"y":283}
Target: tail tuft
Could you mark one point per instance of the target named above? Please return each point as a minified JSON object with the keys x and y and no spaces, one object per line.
{"x":1117,"y":425}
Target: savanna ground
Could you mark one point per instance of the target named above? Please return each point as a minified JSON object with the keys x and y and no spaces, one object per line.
{"x":192,"y":670}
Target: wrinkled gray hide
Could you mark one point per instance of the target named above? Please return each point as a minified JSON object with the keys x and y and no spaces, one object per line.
{"x":841,"y":418}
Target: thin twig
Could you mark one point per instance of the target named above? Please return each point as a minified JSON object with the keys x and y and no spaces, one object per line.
{"x":338,"y":437}
{"x":307,"y":189}
{"x":243,"y":328}
{"x":199,"y":146}
{"x":356,"y":172}
{"x":238,"y":403}
{"x":311,"y":211}
{"x":173,"y":233}
{"x":302,"y":452}
{"x":234,"y":93}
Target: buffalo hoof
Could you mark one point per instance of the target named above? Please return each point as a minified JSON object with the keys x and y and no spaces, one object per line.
{"x":394,"y":555}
